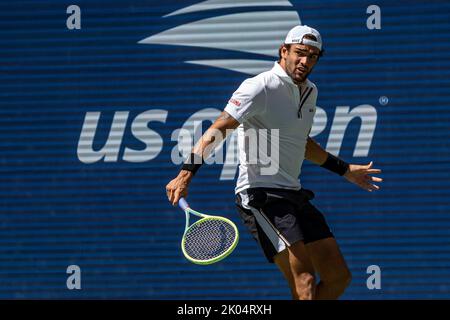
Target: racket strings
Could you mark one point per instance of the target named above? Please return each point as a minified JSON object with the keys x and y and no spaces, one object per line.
{"x":208,"y":239}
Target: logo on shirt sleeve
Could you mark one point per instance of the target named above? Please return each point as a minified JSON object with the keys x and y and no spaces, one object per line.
{"x":235,"y":102}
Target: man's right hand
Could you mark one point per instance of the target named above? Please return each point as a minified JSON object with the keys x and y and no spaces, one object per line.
{"x":178,"y":187}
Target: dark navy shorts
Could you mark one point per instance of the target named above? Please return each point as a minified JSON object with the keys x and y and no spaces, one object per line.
{"x":277,"y":218}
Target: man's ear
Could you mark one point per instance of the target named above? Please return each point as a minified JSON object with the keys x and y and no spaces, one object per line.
{"x":284,"y":52}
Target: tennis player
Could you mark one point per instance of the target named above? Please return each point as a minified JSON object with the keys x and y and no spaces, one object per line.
{"x":291,"y":231}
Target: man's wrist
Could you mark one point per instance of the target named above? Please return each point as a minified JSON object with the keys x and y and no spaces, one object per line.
{"x":185,"y":174}
{"x":193,"y":163}
{"x":336,"y":165}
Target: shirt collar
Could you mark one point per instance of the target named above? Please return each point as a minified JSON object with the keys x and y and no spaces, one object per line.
{"x":279,"y":71}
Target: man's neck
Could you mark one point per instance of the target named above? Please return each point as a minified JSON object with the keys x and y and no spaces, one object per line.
{"x":297,"y":83}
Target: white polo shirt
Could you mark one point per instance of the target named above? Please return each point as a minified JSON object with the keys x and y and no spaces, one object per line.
{"x":271,"y":100}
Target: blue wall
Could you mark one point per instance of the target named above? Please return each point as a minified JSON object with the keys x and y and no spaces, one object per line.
{"x":60,"y":204}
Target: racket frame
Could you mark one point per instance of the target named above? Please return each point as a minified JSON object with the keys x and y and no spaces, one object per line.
{"x":204,"y":217}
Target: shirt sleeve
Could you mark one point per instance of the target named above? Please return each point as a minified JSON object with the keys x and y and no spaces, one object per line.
{"x":247,"y":101}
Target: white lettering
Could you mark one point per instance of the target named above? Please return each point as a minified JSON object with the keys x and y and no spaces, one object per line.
{"x":74,"y":20}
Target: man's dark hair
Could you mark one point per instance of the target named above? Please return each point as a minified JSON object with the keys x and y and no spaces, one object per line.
{"x":288,"y":46}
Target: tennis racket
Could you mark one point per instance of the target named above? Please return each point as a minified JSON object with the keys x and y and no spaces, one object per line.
{"x":208,"y":240}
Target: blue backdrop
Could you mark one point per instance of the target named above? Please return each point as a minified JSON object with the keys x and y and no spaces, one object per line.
{"x":89,"y":119}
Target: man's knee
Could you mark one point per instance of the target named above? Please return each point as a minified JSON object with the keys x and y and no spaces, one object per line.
{"x":305,"y":285}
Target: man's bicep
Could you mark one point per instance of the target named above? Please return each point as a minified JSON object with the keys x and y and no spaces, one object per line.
{"x":225,"y":121}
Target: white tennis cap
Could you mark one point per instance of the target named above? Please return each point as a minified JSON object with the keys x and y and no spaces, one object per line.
{"x":296,"y":34}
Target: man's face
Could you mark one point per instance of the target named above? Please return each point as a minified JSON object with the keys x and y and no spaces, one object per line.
{"x":299,"y":61}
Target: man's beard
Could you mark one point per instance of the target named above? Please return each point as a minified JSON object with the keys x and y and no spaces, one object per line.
{"x":299,"y":80}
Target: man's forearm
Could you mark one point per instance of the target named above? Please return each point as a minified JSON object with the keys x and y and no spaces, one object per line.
{"x":212,"y":138}
{"x":204,"y":147}
{"x":209,"y":141}
{"x":315,"y":153}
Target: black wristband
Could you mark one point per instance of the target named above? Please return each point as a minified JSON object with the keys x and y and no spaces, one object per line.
{"x":193,"y":163}
{"x":335,"y":165}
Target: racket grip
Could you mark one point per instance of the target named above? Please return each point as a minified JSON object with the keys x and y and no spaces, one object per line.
{"x":183,"y":204}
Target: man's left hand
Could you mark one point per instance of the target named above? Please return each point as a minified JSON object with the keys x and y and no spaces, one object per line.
{"x":360,"y":175}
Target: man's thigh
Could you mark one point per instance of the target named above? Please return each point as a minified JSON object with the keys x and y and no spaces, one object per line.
{"x":295,"y":260}
{"x":297,"y":268}
{"x":327,"y":259}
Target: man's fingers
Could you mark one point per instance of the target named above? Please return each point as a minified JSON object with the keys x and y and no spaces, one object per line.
{"x":374,"y":179}
{"x":369,"y":186}
{"x":178,"y":194}
{"x":373,"y":171}
{"x":373,"y":187}
{"x":176,"y":197}
{"x":169,"y":194}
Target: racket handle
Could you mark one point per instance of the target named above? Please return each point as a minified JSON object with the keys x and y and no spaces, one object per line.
{"x":183,"y":204}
